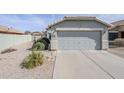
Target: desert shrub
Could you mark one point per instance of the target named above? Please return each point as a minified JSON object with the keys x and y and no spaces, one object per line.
{"x":119,"y":42}
{"x":45,"y":41}
{"x":38,"y":46}
{"x":33,"y":60}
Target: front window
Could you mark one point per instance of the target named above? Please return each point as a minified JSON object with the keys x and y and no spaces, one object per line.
{"x":113,"y":36}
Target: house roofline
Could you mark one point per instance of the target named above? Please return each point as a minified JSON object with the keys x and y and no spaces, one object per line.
{"x":5,"y":32}
{"x":78,"y":18}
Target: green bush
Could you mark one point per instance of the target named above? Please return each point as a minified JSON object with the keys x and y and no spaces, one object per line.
{"x":33,"y":60}
{"x":45,"y":41}
{"x":38,"y":46}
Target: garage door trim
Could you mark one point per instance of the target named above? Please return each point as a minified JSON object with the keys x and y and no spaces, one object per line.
{"x":100,"y":37}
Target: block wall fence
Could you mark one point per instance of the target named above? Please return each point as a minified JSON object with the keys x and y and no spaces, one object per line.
{"x":9,"y":40}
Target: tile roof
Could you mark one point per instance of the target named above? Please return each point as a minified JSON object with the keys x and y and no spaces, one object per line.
{"x":120,"y":22}
{"x":116,"y":24}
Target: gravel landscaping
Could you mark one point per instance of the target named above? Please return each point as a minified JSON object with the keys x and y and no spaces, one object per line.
{"x":10,"y":64}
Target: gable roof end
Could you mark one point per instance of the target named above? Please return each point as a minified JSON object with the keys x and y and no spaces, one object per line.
{"x":78,"y":18}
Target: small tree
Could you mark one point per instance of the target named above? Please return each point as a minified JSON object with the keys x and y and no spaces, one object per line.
{"x":27,"y":32}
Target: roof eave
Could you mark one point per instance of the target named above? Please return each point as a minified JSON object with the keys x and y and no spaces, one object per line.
{"x":108,"y":25}
{"x":90,"y":18}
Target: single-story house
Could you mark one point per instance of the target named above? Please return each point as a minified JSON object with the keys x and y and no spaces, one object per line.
{"x":117,"y":30}
{"x":78,"y":32}
{"x":36,"y":35}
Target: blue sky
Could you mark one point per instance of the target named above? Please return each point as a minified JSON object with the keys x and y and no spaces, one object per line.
{"x":38,"y":22}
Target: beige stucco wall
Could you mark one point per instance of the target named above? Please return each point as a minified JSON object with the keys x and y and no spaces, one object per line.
{"x":121,"y":28}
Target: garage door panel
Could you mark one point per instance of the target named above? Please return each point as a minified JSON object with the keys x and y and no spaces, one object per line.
{"x":82,"y":40}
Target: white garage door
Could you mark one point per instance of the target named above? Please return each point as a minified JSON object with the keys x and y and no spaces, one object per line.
{"x":70,"y":40}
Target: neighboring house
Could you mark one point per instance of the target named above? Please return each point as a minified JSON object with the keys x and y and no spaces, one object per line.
{"x":44,"y":33}
{"x":74,"y":33}
{"x":117,"y":30}
{"x":36,"y":35}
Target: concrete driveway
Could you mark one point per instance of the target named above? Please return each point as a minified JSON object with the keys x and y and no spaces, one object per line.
{"x":88,"y":65}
